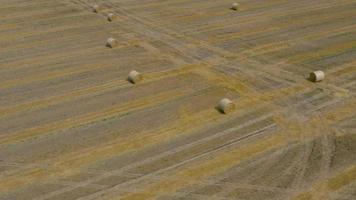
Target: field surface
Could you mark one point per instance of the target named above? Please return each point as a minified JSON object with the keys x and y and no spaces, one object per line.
{"x":72,"y":126}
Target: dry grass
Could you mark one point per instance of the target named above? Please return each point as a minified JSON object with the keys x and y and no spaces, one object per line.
{"x":73,"y":127}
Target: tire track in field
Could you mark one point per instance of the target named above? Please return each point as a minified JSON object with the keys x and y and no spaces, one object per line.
{"x":173,"y":39}
{"x":259,"y":16}
{"x":107,"y":150}
{"x":93,"y":90}
{"x":298,"y":11}
{"x":52,"y":75}
{"x":180,"y":164}
{"x":321,"y":188}
{"x":266,"y":162}
{"x":165,"y":34}
{"x":18,"y":33}
{"x":195,"y":173}
{"x":175,"y":150}
{"x":73,"y":36}
{"x":91,"y":117}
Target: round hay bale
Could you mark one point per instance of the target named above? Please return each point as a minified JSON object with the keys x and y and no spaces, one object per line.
{"x":111,"y":42}
{"x":111,"y":17}
{"x":226,"y":106}
{"x":96,"y":8}
{"x":235,"y":6}
{"x":316,"y":76}
{"x":134,"y":77}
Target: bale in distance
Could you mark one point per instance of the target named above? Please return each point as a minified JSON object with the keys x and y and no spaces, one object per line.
{"x":111,"y":42}
{"x":226,"y":106}
{"x":235,"y":6}
{"x":134,"y":77}
{"x":316,"y":76}
{"x":111,"y":17}
{"x":96,"y":8}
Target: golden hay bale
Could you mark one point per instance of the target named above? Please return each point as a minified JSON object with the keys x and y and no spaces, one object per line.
{"x":111,"y":42}
{"x":316,"y":76}
{"x":96,"y":8}
{"x":111,"y":17}
{"x":134,"y":77}
{"x":226,"y":106}
{"x":235,"y":6}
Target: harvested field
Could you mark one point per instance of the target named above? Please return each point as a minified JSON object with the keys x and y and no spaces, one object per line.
{"x":72,"y":126}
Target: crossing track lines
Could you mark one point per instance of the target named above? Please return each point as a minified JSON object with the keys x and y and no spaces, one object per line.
{"x":79,"y":131}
